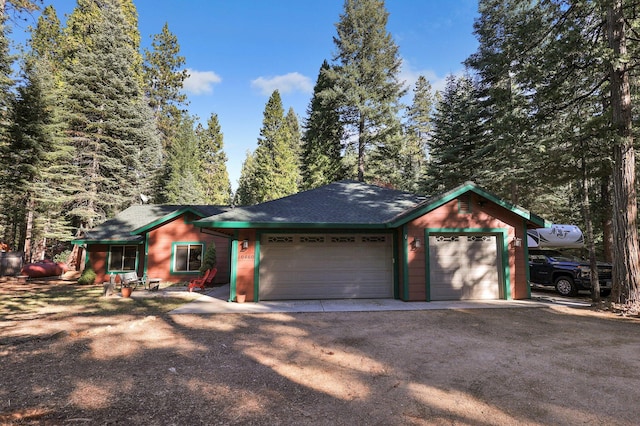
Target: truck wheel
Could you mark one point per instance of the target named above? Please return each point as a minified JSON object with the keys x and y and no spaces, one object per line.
{"x":605,"y":292}
{"x":565,"y":286}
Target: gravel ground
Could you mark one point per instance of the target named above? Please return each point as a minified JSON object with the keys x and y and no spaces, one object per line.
{"x":555,"y":365}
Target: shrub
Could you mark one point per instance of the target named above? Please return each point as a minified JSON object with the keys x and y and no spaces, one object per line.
{"x":62,"y":257}
{"x":209,"y":261}
{"x":88,"y":276}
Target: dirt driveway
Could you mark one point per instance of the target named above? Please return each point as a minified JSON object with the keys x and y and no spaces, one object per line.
{"x":61,"y":363}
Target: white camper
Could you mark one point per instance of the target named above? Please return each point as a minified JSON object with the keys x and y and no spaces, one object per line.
{"x":557,"y":236}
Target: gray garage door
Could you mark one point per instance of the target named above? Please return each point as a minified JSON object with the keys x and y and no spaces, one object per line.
{"x":464,"y":266}
{"x":304,"y":266}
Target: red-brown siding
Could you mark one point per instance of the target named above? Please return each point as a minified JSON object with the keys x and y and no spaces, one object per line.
{"x":159,"y":254}
{"x":485,"y":216}
{"x":246,"y":264}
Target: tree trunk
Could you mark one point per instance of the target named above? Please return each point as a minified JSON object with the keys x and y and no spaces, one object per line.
{"x":586,"y":214}
{"x":28,"y":233}
{"x":626,"y":265}
{"x":361,"y":148}
{"x":607,"y":234}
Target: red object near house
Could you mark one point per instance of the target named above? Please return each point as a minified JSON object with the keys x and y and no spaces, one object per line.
{"x":207,"y":280}
{"x":46,"y":268}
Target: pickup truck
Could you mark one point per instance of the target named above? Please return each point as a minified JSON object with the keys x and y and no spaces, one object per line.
{"x":567,"y":273}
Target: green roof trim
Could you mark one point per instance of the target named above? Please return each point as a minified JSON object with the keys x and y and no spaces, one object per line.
{"x":131,"y":225}
{"x":457,"y":192}
{"x":285,"y":225}
{"x":167,"y":218}
{"x":131,"y":242}
{"x":348,"y":205}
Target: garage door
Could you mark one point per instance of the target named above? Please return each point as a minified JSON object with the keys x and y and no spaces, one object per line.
{"x":305,"y":266}
{"x":464,"y":266}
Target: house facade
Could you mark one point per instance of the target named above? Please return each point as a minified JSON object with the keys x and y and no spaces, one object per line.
{"x":353,"y":240}
{"x":159,"y":241}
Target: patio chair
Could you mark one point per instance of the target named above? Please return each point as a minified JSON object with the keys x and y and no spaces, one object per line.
{"x":129,"y":279}
{"x":206,"y":280}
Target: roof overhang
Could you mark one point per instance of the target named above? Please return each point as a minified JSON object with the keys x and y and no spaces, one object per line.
{"x":457,"y":192}
{"x":165,"y":219}
{"x":112,"y":242}
{"x":286,"y":225}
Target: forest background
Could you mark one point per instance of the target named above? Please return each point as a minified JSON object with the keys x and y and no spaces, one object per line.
{"x":543,"y":117}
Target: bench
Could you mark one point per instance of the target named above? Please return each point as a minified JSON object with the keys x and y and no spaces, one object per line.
{"x":130,"y":279}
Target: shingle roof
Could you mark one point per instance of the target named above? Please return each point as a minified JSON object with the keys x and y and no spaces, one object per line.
{"x":348,"y":204}
{"x":345,"y":203}
{"x":127,"y":223}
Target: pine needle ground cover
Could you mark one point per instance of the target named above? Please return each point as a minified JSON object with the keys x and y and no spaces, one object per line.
{"x":71,"y":356}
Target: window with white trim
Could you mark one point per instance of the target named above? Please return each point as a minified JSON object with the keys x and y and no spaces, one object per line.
{"x":123,"y":258}
{"x":187,"y":257}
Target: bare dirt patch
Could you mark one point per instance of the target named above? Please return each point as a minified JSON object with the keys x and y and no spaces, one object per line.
{"x":126,"y":363}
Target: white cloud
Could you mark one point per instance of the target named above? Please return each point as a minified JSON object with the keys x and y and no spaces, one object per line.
{"x":201,"y":82}
{"x":292,"y":82}
{"x":410,"y":76}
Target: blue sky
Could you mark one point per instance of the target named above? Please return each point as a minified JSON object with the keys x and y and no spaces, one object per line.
{"x":239,"y":51}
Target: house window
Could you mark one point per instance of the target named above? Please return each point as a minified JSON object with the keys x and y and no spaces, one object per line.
{"x":187,"y":257}
{"x":123,"y":258}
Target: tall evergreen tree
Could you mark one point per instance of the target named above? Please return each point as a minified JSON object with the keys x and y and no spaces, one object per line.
{"x":276,"y":165}
{"x":571,"y":66}
{"x":247,"y":194}
{"x":416,"y":136}
{"x":504,"y":105}
{"x":185,"y":164}
{"x":321,"y":161}
{"x":9,"y":223}
{"x":47,"y":39}
{"x":295,"y":141}
{"x":42,"y":159}
{"x":367,"y":87}
{"x":109,"y":123}
{"x":215,"y":177}
{"x":164,"y":79}
{"x":456,"y":137}
{"x":622,"y":23}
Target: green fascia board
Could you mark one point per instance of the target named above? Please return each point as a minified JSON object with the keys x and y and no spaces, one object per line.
{"x":166,"y":218}
{"x":110,"y":242}
{"x":420,"y":211}
{"x":288,"y":225}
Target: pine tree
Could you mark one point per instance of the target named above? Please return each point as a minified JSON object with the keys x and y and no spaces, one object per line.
{"x":367,"y":87}
{"x":247,"y":194}
{"x":417,"y":133}
{"x":559,"y":78}
{"x":321,"y":161}
{"x":164,"y":79}
{"x":276,"y":165}
{"x":41,"y":158}
{"x":10,"y":210}
{"x":184,"y":163}
{"x":108,"y":121}
{"x":456,"y":137}
{"x":295,"y":141}
{"x":215,"y":177}
{"x":47,"y":39}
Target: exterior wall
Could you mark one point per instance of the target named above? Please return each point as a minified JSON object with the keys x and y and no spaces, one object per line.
{"x":245,"y":265}
{"x":161,"y":244}
{"x":483,"y":215}
{"x":159,"y":255}
{"x":97,"y":254}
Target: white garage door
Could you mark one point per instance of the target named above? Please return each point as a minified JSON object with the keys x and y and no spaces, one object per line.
{"x":305,"y":266}
{"x":464,"y":266}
